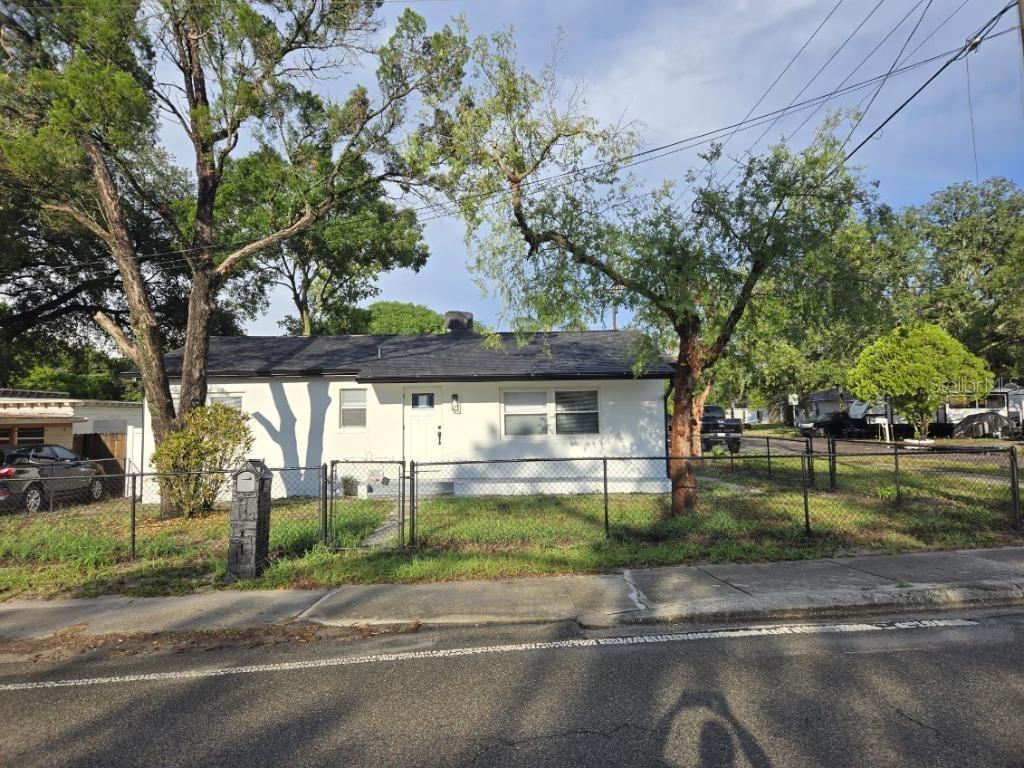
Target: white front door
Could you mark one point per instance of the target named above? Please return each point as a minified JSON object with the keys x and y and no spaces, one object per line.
{"x":423,"y":424}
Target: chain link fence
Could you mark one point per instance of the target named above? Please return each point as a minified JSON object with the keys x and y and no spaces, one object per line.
{"x":857,"y":498}
{"x":847,"y":494}
{"x":366,"y":504}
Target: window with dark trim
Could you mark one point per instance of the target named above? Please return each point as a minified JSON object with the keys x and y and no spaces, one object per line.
{"x":31,"y":436}
{"x":423,"y":400}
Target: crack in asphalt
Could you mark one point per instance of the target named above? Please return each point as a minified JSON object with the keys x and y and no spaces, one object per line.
{"x":915,"y":721}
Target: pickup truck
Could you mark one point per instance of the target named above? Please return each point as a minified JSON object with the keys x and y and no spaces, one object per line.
{"x":716,"y":429}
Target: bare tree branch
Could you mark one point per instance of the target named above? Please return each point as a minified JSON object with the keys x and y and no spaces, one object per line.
{"x":120,"y":338}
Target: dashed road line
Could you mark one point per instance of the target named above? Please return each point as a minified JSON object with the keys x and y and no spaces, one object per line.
{"x":448,"y":653}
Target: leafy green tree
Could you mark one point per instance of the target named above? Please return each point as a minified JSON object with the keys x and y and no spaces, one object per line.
{"x":396,"y":317}
{"x":804,"y":328}
{"x":564,"y":232}
{"x":96,"y":382}
{"x":917,"y":366}
{"x":972,"y":240}
{"x":334,"y":264}
{"x":85,"y":86}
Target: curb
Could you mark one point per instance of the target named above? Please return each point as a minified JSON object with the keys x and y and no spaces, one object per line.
{"x":981,"y":595}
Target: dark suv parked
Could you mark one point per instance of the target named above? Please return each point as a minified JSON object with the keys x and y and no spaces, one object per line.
{"x":32,"y":475}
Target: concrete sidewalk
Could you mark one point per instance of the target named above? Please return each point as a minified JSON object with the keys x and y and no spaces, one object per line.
{"x":706,"y":593}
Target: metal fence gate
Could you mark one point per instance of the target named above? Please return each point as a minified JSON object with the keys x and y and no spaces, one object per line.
{"x":364,"y":504}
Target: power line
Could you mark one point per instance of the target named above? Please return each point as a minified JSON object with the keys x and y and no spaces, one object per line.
{"x":880,"y":43}
{"x":895,"y":61}
{"x":940,"y":25}
{"x":970,"y":111}
{"x":443,"y":210}
{"x":810,"y":82}
{"x":972,"y":43}
{"x":774,"y":82}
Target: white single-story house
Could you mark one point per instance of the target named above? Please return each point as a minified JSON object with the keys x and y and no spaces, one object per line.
{"x":448,"y":397}
{"x":96,"y":429}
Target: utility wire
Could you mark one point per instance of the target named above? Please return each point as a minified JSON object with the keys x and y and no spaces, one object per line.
{"x":895,"y":62}
{"x":880,"y":43}
{"x":774,"y":82}
{"x":940,"y":25}
{"x":438,"y":211}
{"x":972,"y":43}
{"x":808,"y":84}
{"x":970,"y":111}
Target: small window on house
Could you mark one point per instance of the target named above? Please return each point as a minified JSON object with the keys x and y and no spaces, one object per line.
{"x":231,"y":401}
{"x":576,"y":413}
{"x":423,"y":400}
{"x":31,"y":436}
{"x":353,"y":408}
{"x":526,"y":413}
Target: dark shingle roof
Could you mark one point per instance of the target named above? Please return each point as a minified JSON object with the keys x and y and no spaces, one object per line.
{"x":446,"y":357}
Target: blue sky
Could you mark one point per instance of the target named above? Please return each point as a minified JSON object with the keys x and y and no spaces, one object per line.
{"x":682,"y":68}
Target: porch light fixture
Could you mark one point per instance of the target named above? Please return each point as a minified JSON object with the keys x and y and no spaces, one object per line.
{"x":456,"y":407}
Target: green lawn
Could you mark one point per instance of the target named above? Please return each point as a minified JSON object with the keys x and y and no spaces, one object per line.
{"x":85,"y":549}
{"x":744,"y":516}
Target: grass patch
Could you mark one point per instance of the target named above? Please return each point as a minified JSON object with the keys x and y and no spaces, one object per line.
{"x":745,"y":514}
{"x":85,"y":550}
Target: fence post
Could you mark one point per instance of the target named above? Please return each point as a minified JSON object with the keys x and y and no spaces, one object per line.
{"x":604,"y":466}
{"x":323,"y":503}
{"x":768,"y":453}
{"x":401,"y":505}
{"x":412,"y":503}
{"x":896,"y":468}
{"x":804,"y":462}
{"x":131,"y":548}
{"x":332,"y":504}
{"x":1015,"y":488}
{"x":810,"y":460}
{"x":831,"y":463}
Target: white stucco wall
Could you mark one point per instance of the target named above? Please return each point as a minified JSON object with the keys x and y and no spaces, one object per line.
{"x":106,"y":417}
{"x":296,"y":421}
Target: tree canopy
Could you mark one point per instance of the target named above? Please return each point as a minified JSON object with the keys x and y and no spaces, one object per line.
{"x":85,"y":87}
{"x":555,"y":251}
{"x":917,"y":366}
{"x":970,"y":241}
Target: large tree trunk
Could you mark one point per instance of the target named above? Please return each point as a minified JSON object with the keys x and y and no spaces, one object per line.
{"x":688,"y":407}
{"x":146,"y":348}
{"x":201,"y":301}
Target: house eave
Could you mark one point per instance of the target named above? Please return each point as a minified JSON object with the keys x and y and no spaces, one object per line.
{"x":582,"y":376}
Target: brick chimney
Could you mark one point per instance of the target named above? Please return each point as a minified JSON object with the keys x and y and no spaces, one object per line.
{"x":458,"y":322}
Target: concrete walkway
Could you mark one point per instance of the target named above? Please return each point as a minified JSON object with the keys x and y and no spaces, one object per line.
{"x":797,"y":589}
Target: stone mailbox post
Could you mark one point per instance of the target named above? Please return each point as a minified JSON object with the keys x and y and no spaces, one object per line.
{"x":249,"y":546}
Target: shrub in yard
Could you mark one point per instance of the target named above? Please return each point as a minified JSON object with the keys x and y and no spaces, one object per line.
{"x":919,"y":366}
{"x":349,"y":486}
{"x":190,"y":459}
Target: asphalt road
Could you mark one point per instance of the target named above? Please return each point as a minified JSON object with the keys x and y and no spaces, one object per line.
{"x":853,"y":694}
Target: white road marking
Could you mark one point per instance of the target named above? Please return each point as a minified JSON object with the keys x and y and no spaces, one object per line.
{"x":344,"y":661}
